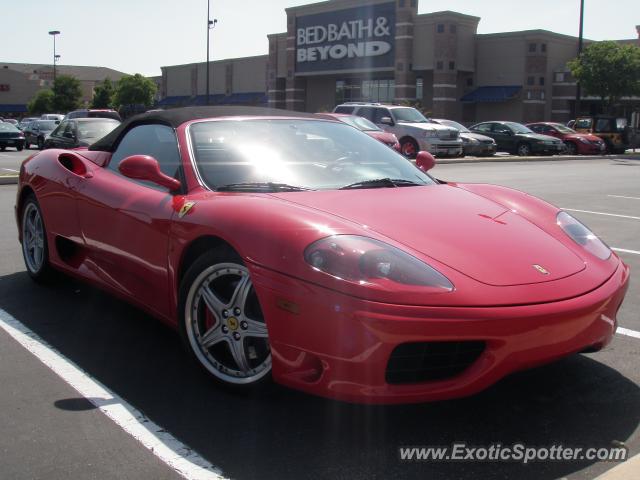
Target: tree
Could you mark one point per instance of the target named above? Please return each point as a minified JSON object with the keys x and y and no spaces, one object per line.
{"x":134,"y":90}
{"x":66,"y":93}
{"x":42,"y":102}
{"x":103,"y":95}
{"x":608,"y":70}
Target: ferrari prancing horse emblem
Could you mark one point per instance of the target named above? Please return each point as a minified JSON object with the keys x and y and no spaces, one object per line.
{"x":185,"y":209}
{"x":541,"y":269}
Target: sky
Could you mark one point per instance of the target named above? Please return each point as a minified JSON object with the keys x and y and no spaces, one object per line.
{"x":140,"y":36}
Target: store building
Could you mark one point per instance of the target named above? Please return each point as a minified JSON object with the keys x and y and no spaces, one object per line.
{"x":19,"y":82}
{"x":384,"y":51}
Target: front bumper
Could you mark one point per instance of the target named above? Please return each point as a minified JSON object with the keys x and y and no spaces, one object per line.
{"x":442,"y":148}
{"x":480,"y":149}
{"x":337,"y":346}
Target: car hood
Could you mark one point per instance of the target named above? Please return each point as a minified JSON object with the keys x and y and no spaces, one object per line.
{"x":427,"y":126}
{"x":586,"y":136}
{"x":476,"y":136}
{"x":539,"y":137}
{"x":469,"y":233}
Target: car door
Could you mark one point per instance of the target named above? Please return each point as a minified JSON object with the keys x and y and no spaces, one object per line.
{"x":125,"y":223}
{"x":59,"y":138}
{"x":504,"y":137}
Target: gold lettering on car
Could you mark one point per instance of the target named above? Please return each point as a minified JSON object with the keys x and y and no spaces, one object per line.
{"x":541,"y":269}
{"x":185,"y":209}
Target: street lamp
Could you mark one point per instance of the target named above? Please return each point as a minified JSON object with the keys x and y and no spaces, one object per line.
{"x":53,"y":33}
{"x":210,"y":25}
{"x":578,"y":89}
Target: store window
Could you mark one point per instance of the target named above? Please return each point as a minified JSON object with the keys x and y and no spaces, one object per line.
{"x":541,"y":81}
{"x":353,"y":90}
{"x":559,"y":77}
{"x":441,"y":28}
{"x":533,"y":47}
{"x":439,"y":65}
{"x":419,"y":88}
{"x":543,"y":47}
{"x":452,"y":65}
{"x":531,"y":81}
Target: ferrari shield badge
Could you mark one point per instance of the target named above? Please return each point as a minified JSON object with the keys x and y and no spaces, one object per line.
{"x":541,"y":269}
{"x":185,"y":209}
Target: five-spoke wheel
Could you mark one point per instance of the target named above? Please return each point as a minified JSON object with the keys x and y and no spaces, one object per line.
{"x":223,"y":322}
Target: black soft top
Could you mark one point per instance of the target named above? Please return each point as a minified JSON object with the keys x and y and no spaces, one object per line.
{"x":177,"y":116}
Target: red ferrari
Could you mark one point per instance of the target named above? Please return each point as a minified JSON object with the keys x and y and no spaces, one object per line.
{"x":287,"y":247}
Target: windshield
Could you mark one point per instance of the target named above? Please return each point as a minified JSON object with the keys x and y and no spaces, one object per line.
{"x":360,"y":123}
{"x":46,"y":124}
{"x":310,"y":154}
{"x":518,"y":127}
{"x":95,"y":130}
{"x":456,"y":125}
{"x":7,"y":127}
{"x":562,"y":129}
{"x":409,"y":115}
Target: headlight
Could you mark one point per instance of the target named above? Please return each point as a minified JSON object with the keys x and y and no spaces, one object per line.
{"x":583,"y":236}
{"x":430,"y":133}
{"x":364,"y":260}
{"x":583,"y":140}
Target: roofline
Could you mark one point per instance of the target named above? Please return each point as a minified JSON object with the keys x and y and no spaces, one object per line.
{"x":265,"y":55}
{"x":535,"y":32}
{"x":449,"y":13}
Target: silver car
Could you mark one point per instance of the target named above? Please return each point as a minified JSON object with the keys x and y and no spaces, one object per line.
{"x":414,"y":131}
{"x":473,"y":143}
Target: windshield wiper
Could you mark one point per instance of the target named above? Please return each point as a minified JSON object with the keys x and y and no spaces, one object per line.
{"x":382,"y":183}
{"x":260,"y":187}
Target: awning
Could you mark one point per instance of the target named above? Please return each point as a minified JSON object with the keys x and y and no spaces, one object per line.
{"x":174,"y":101}
{"x":13,"y":108}
{"x":498,"y":93}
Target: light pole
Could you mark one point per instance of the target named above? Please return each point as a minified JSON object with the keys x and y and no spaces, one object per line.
{"x":210,"y":25}
{"x":53,"y":33}
{"x":578,"y":92}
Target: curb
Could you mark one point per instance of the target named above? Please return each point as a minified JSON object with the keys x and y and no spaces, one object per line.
{"x":8,"y":179}
{"x":624,"y":471}
{"x":514,"y":159}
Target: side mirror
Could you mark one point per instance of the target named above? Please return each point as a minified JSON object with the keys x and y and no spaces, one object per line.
{"x":144,"y":167}
{"x":387,"y":121}
{"x":425,"y":161}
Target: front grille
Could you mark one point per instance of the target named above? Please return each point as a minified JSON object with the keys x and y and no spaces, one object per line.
{"x":448,"y":134}
{"x":430,"y":361}
{"x":440,"y":146}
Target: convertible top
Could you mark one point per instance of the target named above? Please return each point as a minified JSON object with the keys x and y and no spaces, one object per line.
{"x":177,"y":116}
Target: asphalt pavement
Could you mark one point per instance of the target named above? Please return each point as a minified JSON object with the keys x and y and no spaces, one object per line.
{"x":48,"y":432}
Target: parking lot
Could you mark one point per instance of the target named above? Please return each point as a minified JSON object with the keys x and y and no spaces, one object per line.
{"x":51,"y":431}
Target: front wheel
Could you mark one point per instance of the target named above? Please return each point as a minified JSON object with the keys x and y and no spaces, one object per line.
{"x":221,"y":321}
{"x":19,"y":148}
{"x":524,"y":150}
{"x":572,"y":148}
{"x":40,"y":144}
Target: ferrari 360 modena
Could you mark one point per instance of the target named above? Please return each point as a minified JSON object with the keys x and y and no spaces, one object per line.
{"x":290,"y":248}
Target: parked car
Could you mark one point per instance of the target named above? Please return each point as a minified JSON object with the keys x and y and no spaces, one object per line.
{"x":10,"y":136}
{"x":36,"y":132}
{"x":26,"y":121}
{"x":12,"y":121}
{"x":472,"y":143}
{"x":613,"y":131}
{"x":413,"y":130}
{"x":365,"y":126}
{"x":94,"y":113}
{"x":79,"y":132}
{"x":290,"y":247}
{"x":52,"y":116}
{"x":515,"y":138}
{"x":576,"y":143}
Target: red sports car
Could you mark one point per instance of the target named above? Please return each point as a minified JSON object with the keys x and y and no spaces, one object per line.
{"x":287,"y":247}
{"x":366,"y":126}
{"x":577,"y":143}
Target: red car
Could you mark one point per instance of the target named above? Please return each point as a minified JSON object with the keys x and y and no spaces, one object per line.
{"x":289,"y":247}
{"x":366,"y":126}
{"x":577,"y":143}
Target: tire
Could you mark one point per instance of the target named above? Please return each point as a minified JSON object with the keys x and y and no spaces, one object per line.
{"x":572,"y":148}
{"x":2,"y":149}
{"x":409,"y":147}
{"x":35,"y":247}
{"x":19,"y":148}
{"x":26,"y":145}
{"x":40,"y":144}
{"x":523,"y":150}
{"x":221,"y":322}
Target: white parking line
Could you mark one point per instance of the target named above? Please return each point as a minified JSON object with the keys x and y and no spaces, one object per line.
{"x":622,"y":196}
{"x":10,"y":170}
{"x":627,"y":332}
{"x":601,"y":213}
{"x":624,"y":250}
{"x":162,"y":444}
